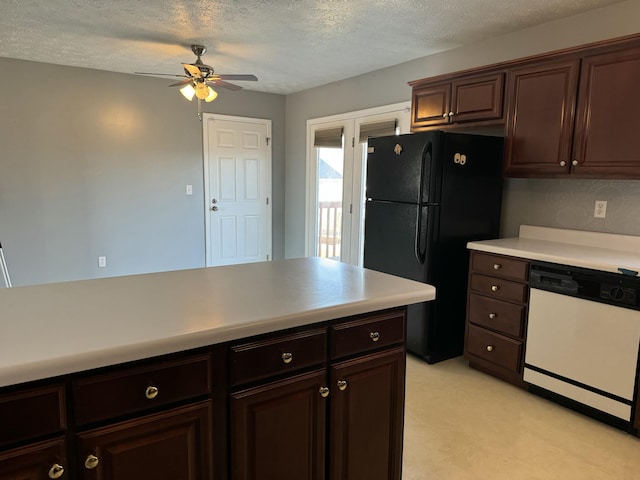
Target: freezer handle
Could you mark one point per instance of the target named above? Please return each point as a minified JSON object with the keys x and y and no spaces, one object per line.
{"x":421,"y":243}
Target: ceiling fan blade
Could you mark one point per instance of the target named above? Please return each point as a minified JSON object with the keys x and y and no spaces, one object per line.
{"x":221,"y":83}
{"x":163,"y":74}
{"x":192,"y":69}
{"x":182,"y":82}
{"x":245,"y":77}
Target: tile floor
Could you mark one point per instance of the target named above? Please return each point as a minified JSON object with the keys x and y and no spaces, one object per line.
{"x":461,"y":424}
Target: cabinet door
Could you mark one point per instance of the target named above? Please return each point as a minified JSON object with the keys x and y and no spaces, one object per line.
{"x":477,"y":98}
{"x":608,"y":114}
{"x":367,"y":412}
{"x":35,"y":462}
{"x":278,"y":430}
{"x":430,"y":105}
{"x":540,"y":119}
{"x":167,"y":446}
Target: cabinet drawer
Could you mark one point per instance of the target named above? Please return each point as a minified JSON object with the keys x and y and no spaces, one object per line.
{"x":31,"y":413}
{"x":279,"y":355}
{"x":500,"y":266}
{"x":121,"y":392}
{"x":367,"y":334}
{"x":494,"y":348}
{"x":504,"y":317}
{"x":499,"y":288}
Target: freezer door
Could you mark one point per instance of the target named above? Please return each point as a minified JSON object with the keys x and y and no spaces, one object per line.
{"x":400,"y":168}
{"x":394,"y":239}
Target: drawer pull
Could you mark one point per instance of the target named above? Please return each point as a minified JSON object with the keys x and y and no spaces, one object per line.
{"x":56,"y":471}
{"x":497,"y":266}
{"x":324,"y":392}
{"x":489,"y":348}
{"x":342,"y":384}
{"x":151,"y":392}
{"x":492,"y":315}
{"x":91,"y":462}
{"x":287,"y":357}
{"x":375,"y":336}
{"x":494,"y":288}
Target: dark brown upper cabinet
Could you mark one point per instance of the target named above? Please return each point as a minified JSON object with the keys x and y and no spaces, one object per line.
{"x":540,"y":117}
{"x":470,"y":98}
{"x":608,"y":116}
{"x":575,"y":116}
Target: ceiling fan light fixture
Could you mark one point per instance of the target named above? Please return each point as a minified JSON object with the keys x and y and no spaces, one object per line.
{"x":212,"y":95}
{"x":202,"y":91}
{"x":188,"y":91}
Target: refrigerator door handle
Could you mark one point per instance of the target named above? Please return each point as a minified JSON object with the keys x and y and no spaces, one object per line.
{"x":428,"y":151}
{"x":421,"y":246}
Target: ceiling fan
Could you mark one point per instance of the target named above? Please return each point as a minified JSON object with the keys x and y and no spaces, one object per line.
{"x":200,"y":77}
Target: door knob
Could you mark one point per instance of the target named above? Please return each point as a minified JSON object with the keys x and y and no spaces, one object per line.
{"x":213,"y":200}
{"x":214,"y":208}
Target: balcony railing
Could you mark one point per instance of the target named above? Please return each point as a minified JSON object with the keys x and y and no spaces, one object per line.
{"x":329,"y":229}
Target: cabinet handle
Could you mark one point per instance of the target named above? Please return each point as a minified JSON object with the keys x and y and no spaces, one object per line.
{"x":574,"y":163}
{"x":497,"y":266}
{"x":451,"y":114}
{"x":287,"y":357}
{"x":494,"y":288}
{"x":151,"y":392}
{"x":56,"y":471}
{"x":489,"y":348}
{"x":492,"y":315}
{"x":375,"y":336}
{"x":342,"y":384}
{"x":324,"y":392}
{"x":91,"y":462}
{"x":444,"y":115}
{"x":562,"y":163}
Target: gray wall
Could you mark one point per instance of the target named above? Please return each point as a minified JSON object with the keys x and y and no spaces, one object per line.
{"x":95,"y":163}
{"x":554,"y":203}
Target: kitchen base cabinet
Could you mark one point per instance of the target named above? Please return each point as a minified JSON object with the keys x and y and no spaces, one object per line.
{"x":171,"y":445}
{"x":278,"y":429}
{"x":39,"y":461}
{"x":497,"y":302}
{"x":367,"y":409}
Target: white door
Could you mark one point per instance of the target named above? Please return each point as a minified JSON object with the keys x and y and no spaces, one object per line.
{"x":237,"y":164}
{"x":336,"y":181}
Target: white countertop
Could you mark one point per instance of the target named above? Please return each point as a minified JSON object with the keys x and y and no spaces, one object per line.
{"x":55,"y":329}
{"x":599,"y":251}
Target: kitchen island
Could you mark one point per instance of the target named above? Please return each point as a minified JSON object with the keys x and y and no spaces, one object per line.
{"x":220,"y":371}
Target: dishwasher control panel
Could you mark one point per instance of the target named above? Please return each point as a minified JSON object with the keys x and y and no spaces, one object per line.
{"x":605,"y":287}
{"x":618,"y":294}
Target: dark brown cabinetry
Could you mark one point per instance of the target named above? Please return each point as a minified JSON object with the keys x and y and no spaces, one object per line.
{"x":464,"y":99}
{"x":164,"y":446}
{"x":35,"y":419}
{"x":574,"y":115}
{"x":38,"y":461}
{"x":280,"y":423}
{"x":316,"y":402}
{"x":496,"y":315}
{"x":540,"y":114}
{"x":367,"y":407}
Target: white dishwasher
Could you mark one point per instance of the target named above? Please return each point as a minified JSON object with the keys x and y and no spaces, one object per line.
{"x":583,"y":335}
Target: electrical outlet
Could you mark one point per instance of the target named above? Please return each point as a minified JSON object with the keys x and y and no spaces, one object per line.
{"x":189,"y":189}
{"x":600,"y":210}
{"x":102,"y":262}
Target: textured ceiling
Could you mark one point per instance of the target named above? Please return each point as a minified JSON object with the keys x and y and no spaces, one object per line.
{"x":291,"y":45}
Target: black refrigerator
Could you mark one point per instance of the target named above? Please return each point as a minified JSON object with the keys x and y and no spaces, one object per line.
{"x":428,"y":194}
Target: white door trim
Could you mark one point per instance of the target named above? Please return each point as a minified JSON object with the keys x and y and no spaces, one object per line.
{"x":268,"y":178}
